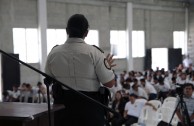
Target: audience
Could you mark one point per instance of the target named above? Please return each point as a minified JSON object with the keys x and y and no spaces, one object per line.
{"x":26,"y":93}
{"x":137,"y":90}
{"x":129,"y":88}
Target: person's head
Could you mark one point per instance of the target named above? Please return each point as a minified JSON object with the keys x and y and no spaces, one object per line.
{"x":155,"y":80}
{"x":183,"y":76}
{"x":161,"y":80}
{"x":135,"y":81}
{"x":173,"y":79}
{"x":15,"y":88}
{"x":23,"y":86}
{"x":118,"y":95}
{"x":135,"y":86}
{"x":188,"y":89}
{"x":142,"y":81}
{"x":29,"y":87}
{"x":149,"y":78}
{"x":77,"y":26}
{"x":39,"y":84}
{"x":132,"y":97}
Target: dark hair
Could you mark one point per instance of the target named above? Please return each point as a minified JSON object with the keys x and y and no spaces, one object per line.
{"x":188,"y":85}
{"x":173,"y":78}
{"x":161,"y":80}
{"x":77,"y":25}
{"x":142,"y":80}
{"x":39,"y":83}
{"x":133,"y":95}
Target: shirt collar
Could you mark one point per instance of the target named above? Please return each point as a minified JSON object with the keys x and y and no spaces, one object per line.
{"x":75,"y":40}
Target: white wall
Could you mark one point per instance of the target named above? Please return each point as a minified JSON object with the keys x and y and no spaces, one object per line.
{"x":158,"y":19}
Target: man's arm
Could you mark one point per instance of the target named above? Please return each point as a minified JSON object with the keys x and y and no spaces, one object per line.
{"x":125,"y":114}
{"x":179,"y":115}
{"x":192,"y":117}
{"x":110,"y":83}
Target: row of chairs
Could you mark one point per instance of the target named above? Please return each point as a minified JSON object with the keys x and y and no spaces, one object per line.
{"x":164,"y":112}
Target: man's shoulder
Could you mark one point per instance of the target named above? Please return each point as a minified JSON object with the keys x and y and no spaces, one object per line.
{"x":98,"y":48}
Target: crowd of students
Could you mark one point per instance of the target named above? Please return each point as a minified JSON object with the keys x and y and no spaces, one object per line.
{"x":26,"y":93}
{"x":147,"y":85}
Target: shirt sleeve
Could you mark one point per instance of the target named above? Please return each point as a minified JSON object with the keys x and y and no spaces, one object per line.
{"x":103,"y":72}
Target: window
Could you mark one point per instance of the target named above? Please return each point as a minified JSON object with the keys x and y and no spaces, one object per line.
{"x":92,"y":38}
{"x":25,"y":42}
{"x":118,"y":43}
{"x":159,"y":58}
{"x":55,"y":37}
{"x":179,"y":40}
{"x":138,"y":44}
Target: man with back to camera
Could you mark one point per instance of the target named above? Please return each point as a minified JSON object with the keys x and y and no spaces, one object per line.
{"x":82,"y":67}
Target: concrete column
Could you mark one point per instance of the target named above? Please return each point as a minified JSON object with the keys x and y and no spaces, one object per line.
{"x":129,"y":36}
{"x":186,"y":29}
{"x":42,"y":27}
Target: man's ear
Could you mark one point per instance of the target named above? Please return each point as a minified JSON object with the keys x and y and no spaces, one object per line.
{"x":85,"y":34}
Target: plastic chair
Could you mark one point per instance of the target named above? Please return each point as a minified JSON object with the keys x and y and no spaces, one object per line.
{"x":170,"y":99}
{"x":165,"y":114}
{"x":141,"y":100}
{"x":156,"y":103}
{"x":148,"y":117}
{"x":170,"y":104}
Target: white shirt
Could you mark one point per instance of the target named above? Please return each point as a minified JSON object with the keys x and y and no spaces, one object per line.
{"x":163,"y":88}
{"x":149,"y":88}
{"x":173,"y":86}
{"x":78,"y":65}
{"x":135,"y":108}
{"x":180,"y":81}
{"x":140,"y":93}
{"x":186,"y":62}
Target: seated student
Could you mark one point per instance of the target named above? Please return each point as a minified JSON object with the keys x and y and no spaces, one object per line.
{"x":6,"y":97}
{"x":15,"y":94}
{"x":140,"y":92}
{"x":118,"y":105}
{"x":29,"y":93}
{"x":132,"y":110}
{"x":173,"y":87}
{"x":163,"y":89}
{"x":182,"y":79}
{"x":155,"y":83}
{"x":23,"y":91}
{"x":151,"y":91}
{"x":42,"y":93}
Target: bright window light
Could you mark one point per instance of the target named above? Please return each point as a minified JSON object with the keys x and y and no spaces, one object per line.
{"x":55,"y":37}
{"x":118,"y":43}
{"x":92,"y":38}
{"x":26,"y":44}
{"x":138,"y":43}
{"x":179,"y":40}
{"x":159,"y":58}
{"x":32,"y":45}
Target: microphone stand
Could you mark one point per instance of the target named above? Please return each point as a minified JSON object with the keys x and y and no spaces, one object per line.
{"x":49,"y":80}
